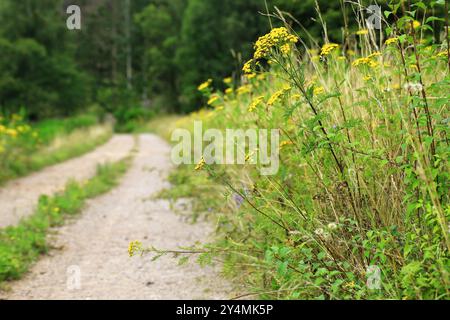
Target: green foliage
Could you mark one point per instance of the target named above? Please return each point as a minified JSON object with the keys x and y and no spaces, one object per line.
{"x":25,"y":148}
{"x":37,"y":68}
{"x":364,"y":173}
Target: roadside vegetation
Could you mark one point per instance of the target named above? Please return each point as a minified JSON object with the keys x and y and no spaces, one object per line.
{"x":360,"y":207}
{"x":21,"y":245}
{"x":26,"y":147}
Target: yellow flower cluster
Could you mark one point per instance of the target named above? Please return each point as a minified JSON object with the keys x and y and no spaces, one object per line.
{"x":244,"y":89}
{"x":362,"y":32}
{"x":205,"y":85}
{"x":134,"y":247}
{"x":228,"y":80}
{"x":318,"y":91}
{"x":328,"y":48}
{"x":255,"y":103}
{"x":200,"y":165}
{"x":368,"y":61}
{"x":391,"y":41}
{"x":278,"y":95}
{"x":277,"y":38}
{"x":213,"y":99}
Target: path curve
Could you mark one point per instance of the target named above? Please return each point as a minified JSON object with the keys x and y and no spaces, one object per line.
{"x":19,"y":198}
{"x":96,"y":243}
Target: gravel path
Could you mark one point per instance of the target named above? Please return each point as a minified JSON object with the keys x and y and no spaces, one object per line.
{"x":95,"y":244}
{"x":19,"y":198}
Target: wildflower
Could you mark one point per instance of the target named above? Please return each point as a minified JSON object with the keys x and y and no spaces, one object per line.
{"x":332,"y":226}
{"x":201,"y":164}
{"x":261,"y":76}
{"x":205,"y":85}
{"x":11,"y":132}
{"x":367,"y":78}
{"x":238,"y":199}
{"x":255,"y":103}
{"x":285,"y":49}
{"x":318,"y":91}
{"x":228,"y":80}
{"x":442,"y":54}
{"x":375,"y":54}
{"x":134,"y":247}
{"x":251,"y":76}
{"x":276,"y":38}
{"x":248,"y":66}
{"x":362,"y":32}
{"x":350,"y":285}
{"x":328,"y":48}
{"x":416,"y":24}
{"x":229,"y":91}
{"x":213,"y":99}
{"x":391,"y":41}
{"x":278,"y":95}
{"x":244,"y":89}
{"x":285,"y":143}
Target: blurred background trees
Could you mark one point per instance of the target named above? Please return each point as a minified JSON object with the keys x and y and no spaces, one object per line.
{"x":138,"y":56}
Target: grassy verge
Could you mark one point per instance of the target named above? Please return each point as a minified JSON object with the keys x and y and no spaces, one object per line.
{"x":21,"y":245}
{"x":360,"y":207}
{"x":25,"y":148}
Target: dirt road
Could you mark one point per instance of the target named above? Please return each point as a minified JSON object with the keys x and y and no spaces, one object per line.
{"x":93,"y":263}
{"x":19,"y":198}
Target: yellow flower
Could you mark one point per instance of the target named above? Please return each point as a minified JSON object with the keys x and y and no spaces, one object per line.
{"x":244,"y":89}
{"x":134,"y":247}
{"x":362,"y":32}
{"x":248,"y":66}
{"x":318,"y":90}
{"x":442,"y":54}
{"x":205,"y":85}
{"x":350,"y":285}
{"x":228,"y":80}
{"x":11,"y":132}
{"x":285,"y":143}
{"x":391,"y":41}
{"x":261,"y":76}
{"x":213,"y":99}
{"x":201,"y":164}
{"x":416,"y":24}
{"x":229,"y":91}
{"x":328,"y":48}
{"x":367,"y":78}
{"x":375,"y":54}
{"x":278,"y":95}
{"x":251,"y":76}
{"x":255,"y":103}
{"x":360,"y":61}
{"x":276,"y":38}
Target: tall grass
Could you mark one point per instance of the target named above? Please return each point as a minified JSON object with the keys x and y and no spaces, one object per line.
{"x":364,"y":180}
